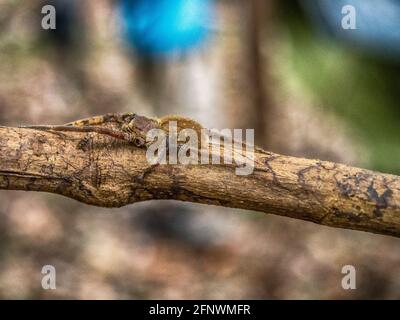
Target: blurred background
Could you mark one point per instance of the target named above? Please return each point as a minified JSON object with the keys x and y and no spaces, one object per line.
{"x":285,"y":68}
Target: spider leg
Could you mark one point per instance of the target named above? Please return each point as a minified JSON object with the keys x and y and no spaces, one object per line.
{"x":97,"y":129}
{"x":118,"y":118}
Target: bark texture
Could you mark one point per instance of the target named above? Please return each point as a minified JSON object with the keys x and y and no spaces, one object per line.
{"x":99,"y":170}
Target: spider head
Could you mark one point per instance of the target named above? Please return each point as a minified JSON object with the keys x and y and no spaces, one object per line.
{"x":137,"y":127}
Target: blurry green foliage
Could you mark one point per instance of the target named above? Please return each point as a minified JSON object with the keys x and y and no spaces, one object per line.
{"x":362,"y":89}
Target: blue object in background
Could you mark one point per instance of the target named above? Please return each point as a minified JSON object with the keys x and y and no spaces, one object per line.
{"x":377,"y":22}
{"x":165,"y":26}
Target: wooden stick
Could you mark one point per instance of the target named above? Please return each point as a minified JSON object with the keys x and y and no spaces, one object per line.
{"x":99,"y":170}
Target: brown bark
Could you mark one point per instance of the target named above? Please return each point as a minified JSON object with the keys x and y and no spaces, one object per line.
{"x":98,"y":170}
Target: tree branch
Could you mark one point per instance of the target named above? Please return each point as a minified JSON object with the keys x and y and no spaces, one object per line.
{"x":99,"y":170}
